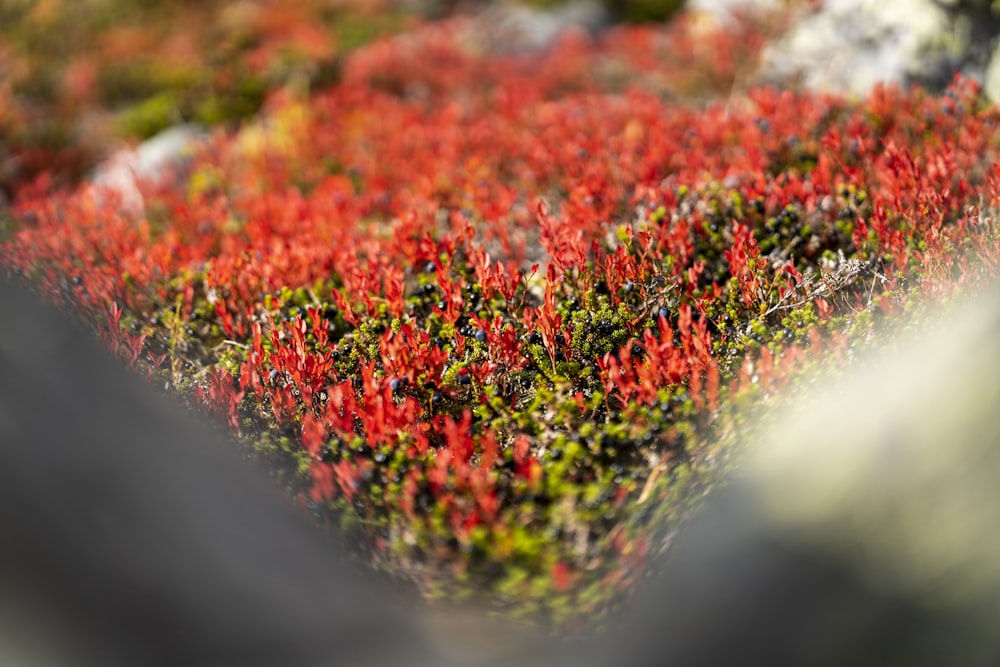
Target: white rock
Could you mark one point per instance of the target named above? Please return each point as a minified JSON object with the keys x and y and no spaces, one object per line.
{"x":850,"y":45}
{"x":154,"y":159}
{"x":991,"y":79}
{"x":722,"y":8}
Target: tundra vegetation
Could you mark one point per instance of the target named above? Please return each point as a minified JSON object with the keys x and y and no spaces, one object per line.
{"x":504,"y":318}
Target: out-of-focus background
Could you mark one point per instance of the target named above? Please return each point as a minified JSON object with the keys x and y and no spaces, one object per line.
{"x":78,"y":78}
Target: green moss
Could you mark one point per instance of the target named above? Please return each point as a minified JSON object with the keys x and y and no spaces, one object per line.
{"x":8,"y":226}
{"x":243,"y":101}
{"x":636,"y":11}
{"x":149,"y":117}
{"x":597,"y":332}
{"x":353,"y":30}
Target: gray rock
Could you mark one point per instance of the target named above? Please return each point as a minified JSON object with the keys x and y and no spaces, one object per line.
{"x":862,"y":529}
{"x":722,"y":8}
{"x":154,"y":159}
{"x":850,"y":45}
{"x":131,"y":535}
{"x":991,"y":78}
{"x":512,"y":27}
{"x":859,"y":532}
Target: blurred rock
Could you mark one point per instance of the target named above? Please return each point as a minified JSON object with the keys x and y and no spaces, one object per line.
{"x":722,"y":8}
{"x":130,"y":535}
{"x":523,"y":26}
{"x":991,"y":78}
{"x":847,"y":46}
{"x":863,"y":529}
{"x":514,"y":27}
{"x":156,"y":158}
{"x":838,"y":46}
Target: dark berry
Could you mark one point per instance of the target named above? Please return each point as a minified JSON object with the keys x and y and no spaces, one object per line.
{"x":430,"y":267}
{"x":480,"y":335}
{"x":425,"y":501}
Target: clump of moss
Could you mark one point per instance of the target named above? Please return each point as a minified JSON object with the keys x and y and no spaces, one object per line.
{"x":634,"y":11}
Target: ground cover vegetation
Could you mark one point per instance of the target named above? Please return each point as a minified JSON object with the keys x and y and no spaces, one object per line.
{"x":506,"y":318}
{"x":75,"y":77}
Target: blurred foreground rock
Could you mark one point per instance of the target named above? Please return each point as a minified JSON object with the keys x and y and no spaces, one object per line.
{"x":863,"y":529}
{"x":129,"y":535}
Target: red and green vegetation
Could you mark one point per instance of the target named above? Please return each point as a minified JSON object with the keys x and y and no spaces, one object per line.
{"x":506,"y":318}
{"x":77,"y":75}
